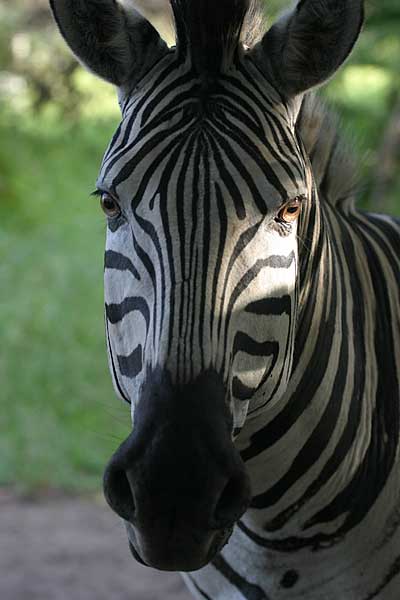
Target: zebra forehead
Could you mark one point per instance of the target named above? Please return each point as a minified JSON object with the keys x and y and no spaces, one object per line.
{"x":213,"y":162}
{"x":241,"y":130}
{"x":172,"y":79}
{"x":165,"y":105}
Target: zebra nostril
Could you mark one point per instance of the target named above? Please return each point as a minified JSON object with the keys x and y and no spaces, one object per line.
{"x":232,"y":503}
{"x":118,"y":493}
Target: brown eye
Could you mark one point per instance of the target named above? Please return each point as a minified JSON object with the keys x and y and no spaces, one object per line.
{"x":290,"y":211}
{"x":109,"y":206}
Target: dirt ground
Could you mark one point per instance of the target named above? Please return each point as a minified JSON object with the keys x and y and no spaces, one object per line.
{"x":73,"y":549}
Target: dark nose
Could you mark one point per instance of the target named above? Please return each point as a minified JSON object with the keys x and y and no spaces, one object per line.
{"x":178,"y":480}
{"x":177,"y":472}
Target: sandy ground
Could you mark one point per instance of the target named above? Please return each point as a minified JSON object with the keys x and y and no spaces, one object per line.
{"x":73,"y":549}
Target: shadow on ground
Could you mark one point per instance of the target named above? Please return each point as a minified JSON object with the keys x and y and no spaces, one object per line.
{"x":73,"y":548}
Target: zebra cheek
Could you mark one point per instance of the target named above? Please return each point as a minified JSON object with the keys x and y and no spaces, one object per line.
{"x":239,"y":410}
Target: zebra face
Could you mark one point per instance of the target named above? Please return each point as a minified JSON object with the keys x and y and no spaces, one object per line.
{"x":202,"y":201}
{"x":202,"y":198}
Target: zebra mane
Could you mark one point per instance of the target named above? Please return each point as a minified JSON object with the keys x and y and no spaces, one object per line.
{"x":336,"y":171}
{"x":211,"y":31}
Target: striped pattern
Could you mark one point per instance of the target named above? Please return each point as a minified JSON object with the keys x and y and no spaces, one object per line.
{"x":301,"y":321}
{"x":213,"y":268}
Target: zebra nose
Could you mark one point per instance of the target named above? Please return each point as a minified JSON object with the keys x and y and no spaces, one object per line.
{"x":118,"y":492}
{"x":219,"y":500}
{"x":178,"y":480}
{"x":233,"y":501}
{"x":177,"y":518}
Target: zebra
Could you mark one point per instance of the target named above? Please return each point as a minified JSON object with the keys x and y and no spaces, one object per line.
{"x":251,"y":311}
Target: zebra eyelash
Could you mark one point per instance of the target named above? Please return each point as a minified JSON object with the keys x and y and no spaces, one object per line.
{"x":300,"y":197}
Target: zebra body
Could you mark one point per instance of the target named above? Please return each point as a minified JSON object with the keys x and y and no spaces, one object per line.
{"x":217,"y":287}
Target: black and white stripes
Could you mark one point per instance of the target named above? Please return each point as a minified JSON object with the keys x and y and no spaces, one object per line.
{"x":201,"y":274}
{"x":211,"y":268}
{"x":199,"y":200}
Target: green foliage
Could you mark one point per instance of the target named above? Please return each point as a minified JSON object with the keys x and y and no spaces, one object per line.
{"x":60,"y":420}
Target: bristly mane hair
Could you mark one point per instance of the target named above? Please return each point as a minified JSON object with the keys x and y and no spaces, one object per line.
{"x":211,"y":32}
{"x":333,"y":158}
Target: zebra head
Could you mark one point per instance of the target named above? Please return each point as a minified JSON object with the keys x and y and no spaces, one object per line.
{"x":207,"y":189}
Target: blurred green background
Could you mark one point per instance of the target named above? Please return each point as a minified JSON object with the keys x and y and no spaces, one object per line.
{"x":59,"y":419}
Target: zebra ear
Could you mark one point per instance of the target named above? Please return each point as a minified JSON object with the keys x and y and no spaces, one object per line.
{"x":113,"y":41}
{"x":308,"y":44}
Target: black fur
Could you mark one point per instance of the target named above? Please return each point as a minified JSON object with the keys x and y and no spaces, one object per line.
{"x":209,"y":32}
{"x":306,"y":46}
{"x":112,"y":41}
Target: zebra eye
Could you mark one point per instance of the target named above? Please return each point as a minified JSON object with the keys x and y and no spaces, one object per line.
{"x":109,"y":206}
{"x":290,"y":211}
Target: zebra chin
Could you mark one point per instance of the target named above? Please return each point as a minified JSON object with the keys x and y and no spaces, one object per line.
{"x":186,"y":555}
{"x":178,"y":481}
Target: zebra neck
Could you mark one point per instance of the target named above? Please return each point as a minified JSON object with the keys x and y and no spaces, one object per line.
{"x":320,"y":459}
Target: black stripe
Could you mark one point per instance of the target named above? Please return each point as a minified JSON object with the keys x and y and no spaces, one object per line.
{"x":270,"y":306}
{"x":206,"y":235}
{"x":200,"y":591}
{"x":116,"y":312}
{"x":193,"y":315}
{"x":115,"y":260}
{"x":244,"y":343}
{"x":181,"y":205}
{"x":250,"y":591}
{"x":193,"y":264}
{"x":152,"y":233}
{"x":131,"y":365}
{"x":391,"y":574}
{"x":148,"y":265}
{"x":226,"y":176}
{"x":223,"y":227}
{"x":114,"y":372}
{"x":292,"y":544}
